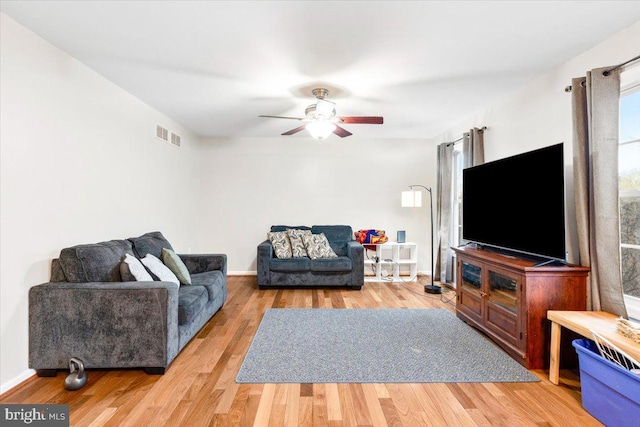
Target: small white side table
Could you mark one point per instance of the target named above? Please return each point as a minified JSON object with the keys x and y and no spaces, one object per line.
{"x":390,"y":257}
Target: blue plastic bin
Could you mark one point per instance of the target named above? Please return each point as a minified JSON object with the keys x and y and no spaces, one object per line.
{"x":609,"y":392}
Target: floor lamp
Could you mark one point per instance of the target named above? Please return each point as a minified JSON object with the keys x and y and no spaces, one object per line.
{"x":413,"y":199}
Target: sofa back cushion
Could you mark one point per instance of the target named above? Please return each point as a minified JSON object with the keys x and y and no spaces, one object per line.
{"x":337,"y":235}
{"x":97,"y":262}
{"x":57,"y":275}
{"x":150,"y":243}
{"x":276,"y":228}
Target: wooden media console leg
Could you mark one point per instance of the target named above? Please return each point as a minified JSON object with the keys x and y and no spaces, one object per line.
{"x":554,"y":350}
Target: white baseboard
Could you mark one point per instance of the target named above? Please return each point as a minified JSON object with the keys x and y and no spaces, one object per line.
{"x":16,"y":380}
{"x":242,"y":273}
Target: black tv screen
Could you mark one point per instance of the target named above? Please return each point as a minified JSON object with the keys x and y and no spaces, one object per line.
{"x":517,"y":203}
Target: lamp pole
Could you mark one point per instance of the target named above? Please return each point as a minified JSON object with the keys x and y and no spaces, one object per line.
{"x":430,"y":289}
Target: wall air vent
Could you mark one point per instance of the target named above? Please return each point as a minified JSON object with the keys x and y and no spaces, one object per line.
{"x":175,"y":139}
{"x":162,"y":133}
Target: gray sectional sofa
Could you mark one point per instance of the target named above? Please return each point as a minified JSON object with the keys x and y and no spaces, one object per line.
{"x":345,"y":270}
{"x":93,"y":309}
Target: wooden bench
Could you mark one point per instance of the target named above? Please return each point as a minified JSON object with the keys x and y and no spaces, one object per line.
{"x":583,"y":322}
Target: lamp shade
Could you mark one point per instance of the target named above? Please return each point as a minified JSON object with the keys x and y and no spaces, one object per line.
{"x":320,"y":129}
{"x":411,"y":199}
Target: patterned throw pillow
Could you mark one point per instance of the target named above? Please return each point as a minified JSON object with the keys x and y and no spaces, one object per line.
{"x":297,"y":244}
{"x":280,"y":242}
{"x":318,"y":246}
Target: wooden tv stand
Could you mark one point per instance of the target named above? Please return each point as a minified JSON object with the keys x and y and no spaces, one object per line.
{"x":507,"y":298}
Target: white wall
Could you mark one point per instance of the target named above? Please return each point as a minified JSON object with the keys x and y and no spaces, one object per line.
{"x":79,"y":163}
{"x":539,"y":114}
{"x":250,"y":184}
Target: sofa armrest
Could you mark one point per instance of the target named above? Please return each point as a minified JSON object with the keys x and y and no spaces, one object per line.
{"x":105,"y":324}
{"x":355,"y":251}
{"x":200,"y":263}
{"x":265,"y":253}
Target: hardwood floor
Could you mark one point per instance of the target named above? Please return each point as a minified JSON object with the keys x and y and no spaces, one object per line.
{"x":199,"y":388}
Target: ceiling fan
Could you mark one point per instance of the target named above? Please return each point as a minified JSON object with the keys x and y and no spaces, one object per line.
{"x":323,"y":120}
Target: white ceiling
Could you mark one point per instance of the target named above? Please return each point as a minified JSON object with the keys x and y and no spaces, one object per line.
{"x":214,"y":66}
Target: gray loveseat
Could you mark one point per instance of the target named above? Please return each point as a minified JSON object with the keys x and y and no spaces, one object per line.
{"x":90,"y":311}
{"x":346,"y":270}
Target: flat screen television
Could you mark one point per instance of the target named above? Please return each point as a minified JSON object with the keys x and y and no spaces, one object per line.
{"x":517,"y":204}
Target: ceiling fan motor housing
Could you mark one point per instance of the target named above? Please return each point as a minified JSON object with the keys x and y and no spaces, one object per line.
{"x":320,"y":93}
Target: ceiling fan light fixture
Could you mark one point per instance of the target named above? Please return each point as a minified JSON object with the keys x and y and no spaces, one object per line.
{"x":323,"y":120}
{"x":320,"y":129}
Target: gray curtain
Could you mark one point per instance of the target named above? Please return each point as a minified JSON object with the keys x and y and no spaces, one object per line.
{"x":444,"y":254}
{"x":473,"y":147}
{"x":595,"y":104}
{"x":473,"y":154}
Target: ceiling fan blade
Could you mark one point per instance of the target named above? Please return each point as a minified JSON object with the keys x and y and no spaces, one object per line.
{"x":296,"y":130}
{"x":370,"y":120}
{"x":341,"y":132}
{"x":283,"y":117}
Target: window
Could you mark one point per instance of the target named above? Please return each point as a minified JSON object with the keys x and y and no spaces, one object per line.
{"x":455,"y":231}
{"x":629,"y":188}
{"x":455,"y":236}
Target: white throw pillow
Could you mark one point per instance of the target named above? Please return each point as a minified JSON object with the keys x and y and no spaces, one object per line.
{"x":159,"y":269}
{"x":137,"y":269}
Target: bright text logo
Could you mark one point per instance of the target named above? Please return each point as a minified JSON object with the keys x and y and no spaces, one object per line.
{"x":34,"y":415}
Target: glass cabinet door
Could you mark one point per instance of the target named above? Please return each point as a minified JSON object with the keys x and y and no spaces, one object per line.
{"x":502,"y":291}
{"x":471,"y":277}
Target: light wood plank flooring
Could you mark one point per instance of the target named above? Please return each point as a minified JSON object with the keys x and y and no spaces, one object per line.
{"x":199,"y":389}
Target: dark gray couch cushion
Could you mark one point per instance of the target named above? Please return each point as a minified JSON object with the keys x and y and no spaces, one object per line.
{"x":57,"y":275}
{"x":213,"y":281}
{"x":289,"y":264}
{"x":275,"y":228}
{"x":97,"y":262}
{"x":340,"y":264}
{"x":191,"y":301}
{"x":337,"y":235}
{"x":150,"y":243}
{"x":125,"y":273}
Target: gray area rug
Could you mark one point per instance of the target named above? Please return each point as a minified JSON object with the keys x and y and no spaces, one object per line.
{"x":373,"y":346}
